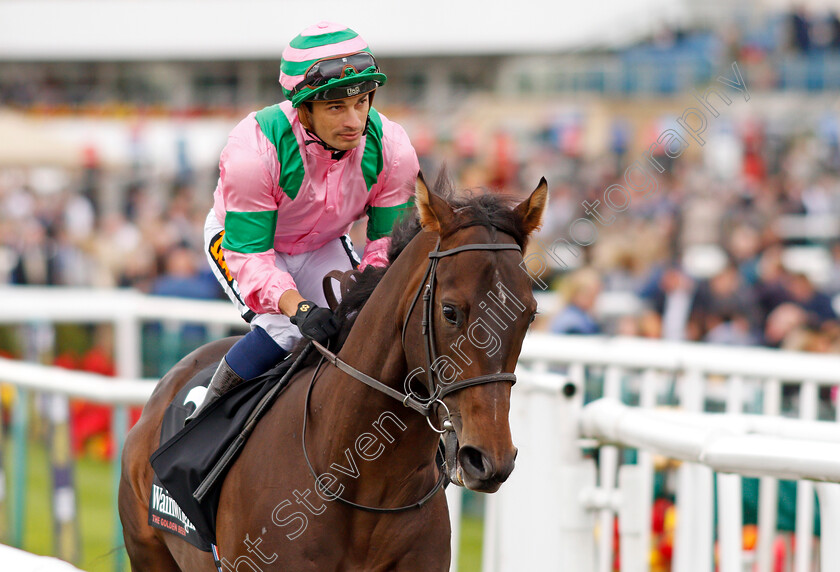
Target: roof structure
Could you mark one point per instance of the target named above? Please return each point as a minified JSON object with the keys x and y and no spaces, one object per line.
{"x":66,"y":30}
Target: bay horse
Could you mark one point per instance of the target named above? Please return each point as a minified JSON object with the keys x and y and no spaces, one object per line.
{"x":450,"y":357}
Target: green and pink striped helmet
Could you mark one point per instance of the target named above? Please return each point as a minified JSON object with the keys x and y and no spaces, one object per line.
{"x":326,"y":62}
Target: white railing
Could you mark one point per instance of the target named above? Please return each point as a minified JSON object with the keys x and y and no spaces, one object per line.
{"x":555,"y":486}
{"x":38,"y":309}
{"x":75,"y":384}
{"x":544,"y":516}
{"x":748,"y":445}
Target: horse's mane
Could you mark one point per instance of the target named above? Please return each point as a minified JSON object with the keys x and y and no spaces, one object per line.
{"x":486,"y":209}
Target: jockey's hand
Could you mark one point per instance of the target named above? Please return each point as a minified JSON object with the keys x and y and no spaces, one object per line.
{"x":315,"y":322}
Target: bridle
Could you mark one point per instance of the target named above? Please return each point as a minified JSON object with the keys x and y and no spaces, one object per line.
{"x":437,"y":391}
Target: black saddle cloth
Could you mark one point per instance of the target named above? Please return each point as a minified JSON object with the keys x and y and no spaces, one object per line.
{"x":187,"y":455}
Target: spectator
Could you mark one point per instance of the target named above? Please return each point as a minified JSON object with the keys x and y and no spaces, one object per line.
{"x":727,"y":305}
{"x":671,"y":294}
{"x":580,"y":293}
{"x":817,"y":304}
{"x":783,"y":320}
{"x":799,"y":30}
{"x":182,"y":278}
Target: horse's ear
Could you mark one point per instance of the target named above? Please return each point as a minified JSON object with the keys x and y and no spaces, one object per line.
{"x":435,"y":212}
{"x":530,"y":211}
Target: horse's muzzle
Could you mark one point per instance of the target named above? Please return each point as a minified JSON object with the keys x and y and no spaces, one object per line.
{"x":481,"y":472}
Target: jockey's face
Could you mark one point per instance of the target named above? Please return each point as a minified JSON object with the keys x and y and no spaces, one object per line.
{"x":341,"y":123}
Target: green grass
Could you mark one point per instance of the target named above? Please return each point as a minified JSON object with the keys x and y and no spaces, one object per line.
{"x":469,"y":555}
{"x":94,"y":486}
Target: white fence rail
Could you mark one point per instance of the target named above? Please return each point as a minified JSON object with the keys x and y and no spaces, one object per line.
{"x":743,"y":445}
{"x":547,"y":515}
{"x":569,"y":496}
{"x":87,"y":386}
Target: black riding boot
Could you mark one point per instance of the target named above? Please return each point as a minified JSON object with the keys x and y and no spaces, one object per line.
{"x":223,"y":381}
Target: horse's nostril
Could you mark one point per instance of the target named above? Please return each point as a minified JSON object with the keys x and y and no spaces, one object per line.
{"x":474,"y":462}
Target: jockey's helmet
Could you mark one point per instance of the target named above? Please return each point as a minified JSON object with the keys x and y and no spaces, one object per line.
{"x":326,"y":62}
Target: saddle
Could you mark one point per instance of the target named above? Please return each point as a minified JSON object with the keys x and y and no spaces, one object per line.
{"x":192,"y":461}
{"x":191,"y":457}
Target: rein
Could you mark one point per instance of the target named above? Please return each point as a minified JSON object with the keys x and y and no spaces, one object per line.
{"x":436,"y":391}
{"x":440,"y":482}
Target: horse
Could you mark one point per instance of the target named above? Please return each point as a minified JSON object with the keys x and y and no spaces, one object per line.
{"x":341,"y":473}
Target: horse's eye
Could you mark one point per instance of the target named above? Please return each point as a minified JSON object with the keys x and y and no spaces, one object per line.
{"x":450,"y":313}
{"x":533,"y":317}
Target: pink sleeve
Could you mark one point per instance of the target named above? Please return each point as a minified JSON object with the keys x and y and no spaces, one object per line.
{"x":376,"y":253}
{"x":247,"y":174}
{"x":261,"y":283}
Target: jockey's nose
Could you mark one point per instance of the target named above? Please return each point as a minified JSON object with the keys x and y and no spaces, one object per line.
{"x":352,"y":120}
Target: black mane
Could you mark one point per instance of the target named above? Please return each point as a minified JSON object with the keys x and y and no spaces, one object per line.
{"x":472,"y":209}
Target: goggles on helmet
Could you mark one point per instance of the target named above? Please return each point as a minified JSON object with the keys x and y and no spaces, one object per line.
{"x":322,"y":71}
{"x":340,"y":71}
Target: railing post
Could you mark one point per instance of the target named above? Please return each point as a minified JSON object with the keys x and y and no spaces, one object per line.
{"x":170,"y":344}
{"x":730,"y":513}
{"x":651,"y":381}
{"x":576,"y":549}
{"x":607,"y":478}
{"x":128,"y":349}
{"x":55,"y":410}
{"x":490,"y":540}
{"x":768,"y":488}
{"x":693,"y":544}
{"x":633,"y":528}
{"x":66,"y":542}
{"x":534,"y":428}
{"x":805,"y":489}
{"x":454,"y":498}
{"x":829,"y":495}
{"x":19,"y":465}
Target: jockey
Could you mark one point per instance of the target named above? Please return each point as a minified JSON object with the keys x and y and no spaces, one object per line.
{"x":294,"y":177}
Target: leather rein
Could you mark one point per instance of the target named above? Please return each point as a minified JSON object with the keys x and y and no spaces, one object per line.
{"x":436,"y":390}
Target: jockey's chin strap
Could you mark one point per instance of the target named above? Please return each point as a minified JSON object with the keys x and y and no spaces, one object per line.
{"x":337,"y":154}
{"x":437,"y":391}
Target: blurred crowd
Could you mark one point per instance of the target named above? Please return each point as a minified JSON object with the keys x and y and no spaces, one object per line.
{"x":60,"y":236}
{"x":706,"y":257}
{"x":738,"y":248}
{"x":805,"y":32}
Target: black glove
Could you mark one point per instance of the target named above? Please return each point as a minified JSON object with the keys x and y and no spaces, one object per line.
{"x":314,"y":322}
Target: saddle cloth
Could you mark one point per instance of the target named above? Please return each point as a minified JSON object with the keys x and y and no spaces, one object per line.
{"x":188,"y":454}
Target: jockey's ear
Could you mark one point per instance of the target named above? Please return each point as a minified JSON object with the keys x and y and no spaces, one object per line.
{"x":305,"y":115}
{"x":435,"y":212}
{"x":530,"y":211}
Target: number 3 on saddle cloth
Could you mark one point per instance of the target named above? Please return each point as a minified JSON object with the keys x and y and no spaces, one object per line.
{"x":188,"y":455}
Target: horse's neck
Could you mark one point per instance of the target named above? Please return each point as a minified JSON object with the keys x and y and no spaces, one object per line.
{"x":374,"y":347}
{"x":374,"y":344}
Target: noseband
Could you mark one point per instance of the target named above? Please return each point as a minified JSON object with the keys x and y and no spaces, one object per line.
{"x":437,"y":391}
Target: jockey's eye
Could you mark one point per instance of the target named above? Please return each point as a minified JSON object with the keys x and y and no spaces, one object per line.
{"x":450,"y":313}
